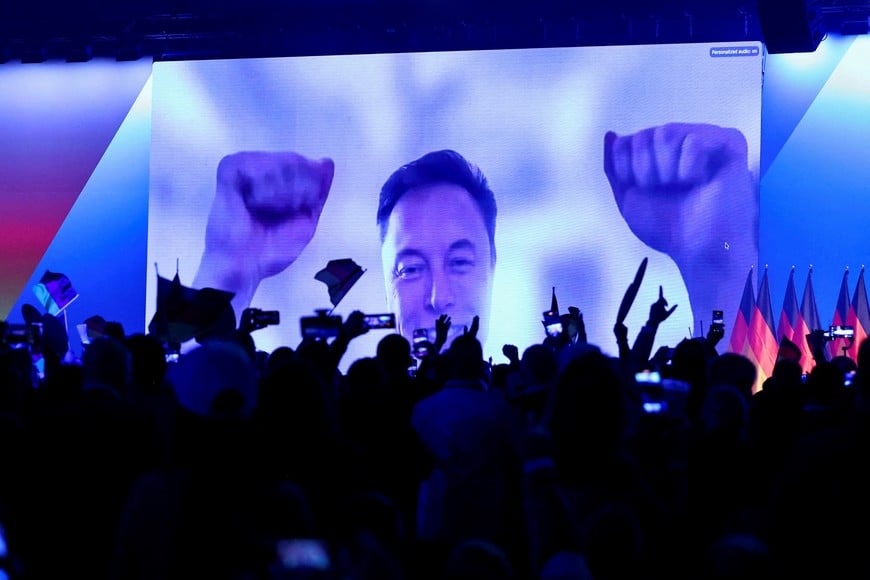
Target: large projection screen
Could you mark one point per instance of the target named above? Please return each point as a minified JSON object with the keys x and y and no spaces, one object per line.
{"x":534,"y":122}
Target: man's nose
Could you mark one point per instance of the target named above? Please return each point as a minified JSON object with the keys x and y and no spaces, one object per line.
{"x":442,"y":296}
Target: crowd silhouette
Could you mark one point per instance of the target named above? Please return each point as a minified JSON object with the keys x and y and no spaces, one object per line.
{"x":561,"y":462}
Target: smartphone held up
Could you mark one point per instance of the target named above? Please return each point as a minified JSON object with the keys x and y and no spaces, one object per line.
{"x":552,"y":323}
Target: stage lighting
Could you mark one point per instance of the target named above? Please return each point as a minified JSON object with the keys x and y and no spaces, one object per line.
{"x":790,"y":25}
{"x":128,"y":51}
{"x":79,"y":53}
{"x":34,"y":55}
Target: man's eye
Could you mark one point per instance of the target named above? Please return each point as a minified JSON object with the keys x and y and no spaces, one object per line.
{"x":410,"y":271}
{"x":460,"y":265}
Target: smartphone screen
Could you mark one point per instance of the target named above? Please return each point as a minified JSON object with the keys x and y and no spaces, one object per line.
{"x":554,"y":329}
{"x":83,"y":334}
{"x":842,"y":332}
{"x":303,"y":553}
{"x":421,"y":342}
{"x":552,"y":323}
{"x":648,"y":377}
{"x":380,"y":320}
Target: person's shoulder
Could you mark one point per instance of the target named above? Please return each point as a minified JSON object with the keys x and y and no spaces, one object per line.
{"x":451,"y":395}
{"x":425,"y":402}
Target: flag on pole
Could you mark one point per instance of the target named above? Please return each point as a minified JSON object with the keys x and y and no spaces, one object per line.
{"x":859,"y":316}
{"x":762,"y":334}
{"x":835,"y":347}
{"x":789,"y":317}
{"x":628,"y":297}
{"x":339,"y":277}
{"x":184,"y":313}
{"x":810,"y":320}
{"x":791,"y":330}
{"x":740,"y":331}
{"x":554,"y":304}
{"x":55,"y":292}
{"x":809,"y":307}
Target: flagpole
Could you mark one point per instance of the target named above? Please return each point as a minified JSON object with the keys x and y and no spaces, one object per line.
{"x":846,"y":347}
{"x":66,"y":326}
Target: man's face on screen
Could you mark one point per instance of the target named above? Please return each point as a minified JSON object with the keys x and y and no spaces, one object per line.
{"x":436,"y":259}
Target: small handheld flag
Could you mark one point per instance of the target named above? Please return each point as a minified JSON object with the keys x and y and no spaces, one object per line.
{"x":184,"y":313}
{"x":339,"y":277}
{"x":631,"y":292}
{"x":554,"y":304}
{"x":55,"y":292}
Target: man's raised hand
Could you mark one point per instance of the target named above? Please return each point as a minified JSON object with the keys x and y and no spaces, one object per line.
{"x":265,"y":212}
{"x":686,"y":189}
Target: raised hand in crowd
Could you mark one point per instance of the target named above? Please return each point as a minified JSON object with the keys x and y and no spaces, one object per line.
{"x":475,"y":327}
{"x":658,"y":313}
{"x":715,"y":334}
{"x":353,"y":326}
{"x":620,"y":331}
{"x":512,"y":353}
{"x":442,"y":330}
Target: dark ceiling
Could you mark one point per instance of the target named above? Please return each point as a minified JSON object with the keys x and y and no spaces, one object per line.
{"x":196,"y":29}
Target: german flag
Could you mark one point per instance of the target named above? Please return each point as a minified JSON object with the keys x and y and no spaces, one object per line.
{"x":789,"y":316}
{"x":859,"y":316}
{"x":809,"y":321}
{"x":837,"y":346}
{"x":740,"y":331}
{"x":762,"y":334}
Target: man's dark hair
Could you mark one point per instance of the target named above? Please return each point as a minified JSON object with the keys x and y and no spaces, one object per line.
{"x":445,"y":166}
